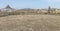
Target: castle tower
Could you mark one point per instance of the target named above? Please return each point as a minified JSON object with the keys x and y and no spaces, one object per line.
{"x":8,"y":7}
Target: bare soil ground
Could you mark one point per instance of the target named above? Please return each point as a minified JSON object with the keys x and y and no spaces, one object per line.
{"x":30,"y":23}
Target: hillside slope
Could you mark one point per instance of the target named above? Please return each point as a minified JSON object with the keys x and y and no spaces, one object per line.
{"x":30,"y":23}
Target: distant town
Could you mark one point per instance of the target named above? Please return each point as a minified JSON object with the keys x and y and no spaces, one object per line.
{"x":9,"y":10}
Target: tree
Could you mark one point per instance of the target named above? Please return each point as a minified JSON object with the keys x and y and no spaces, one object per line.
{"x":49,"y":9}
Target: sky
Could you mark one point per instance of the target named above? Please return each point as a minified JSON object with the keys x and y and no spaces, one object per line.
{"x":19,"y":4}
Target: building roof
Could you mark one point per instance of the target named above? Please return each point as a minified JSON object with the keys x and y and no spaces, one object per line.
{"x":8,"y":7}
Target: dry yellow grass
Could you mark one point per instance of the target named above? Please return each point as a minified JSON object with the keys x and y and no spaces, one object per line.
{"x":30,"y":23}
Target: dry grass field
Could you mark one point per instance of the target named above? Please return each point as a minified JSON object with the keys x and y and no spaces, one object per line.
{"x":30,"y":23}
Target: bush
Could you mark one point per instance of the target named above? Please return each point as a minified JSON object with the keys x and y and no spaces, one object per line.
{"x":13,"y":13}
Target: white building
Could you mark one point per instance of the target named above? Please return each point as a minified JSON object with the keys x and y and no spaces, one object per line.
{"x":7,"y":9}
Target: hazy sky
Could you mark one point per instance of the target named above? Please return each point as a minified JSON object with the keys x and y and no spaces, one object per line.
{"x":30,"y":3}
